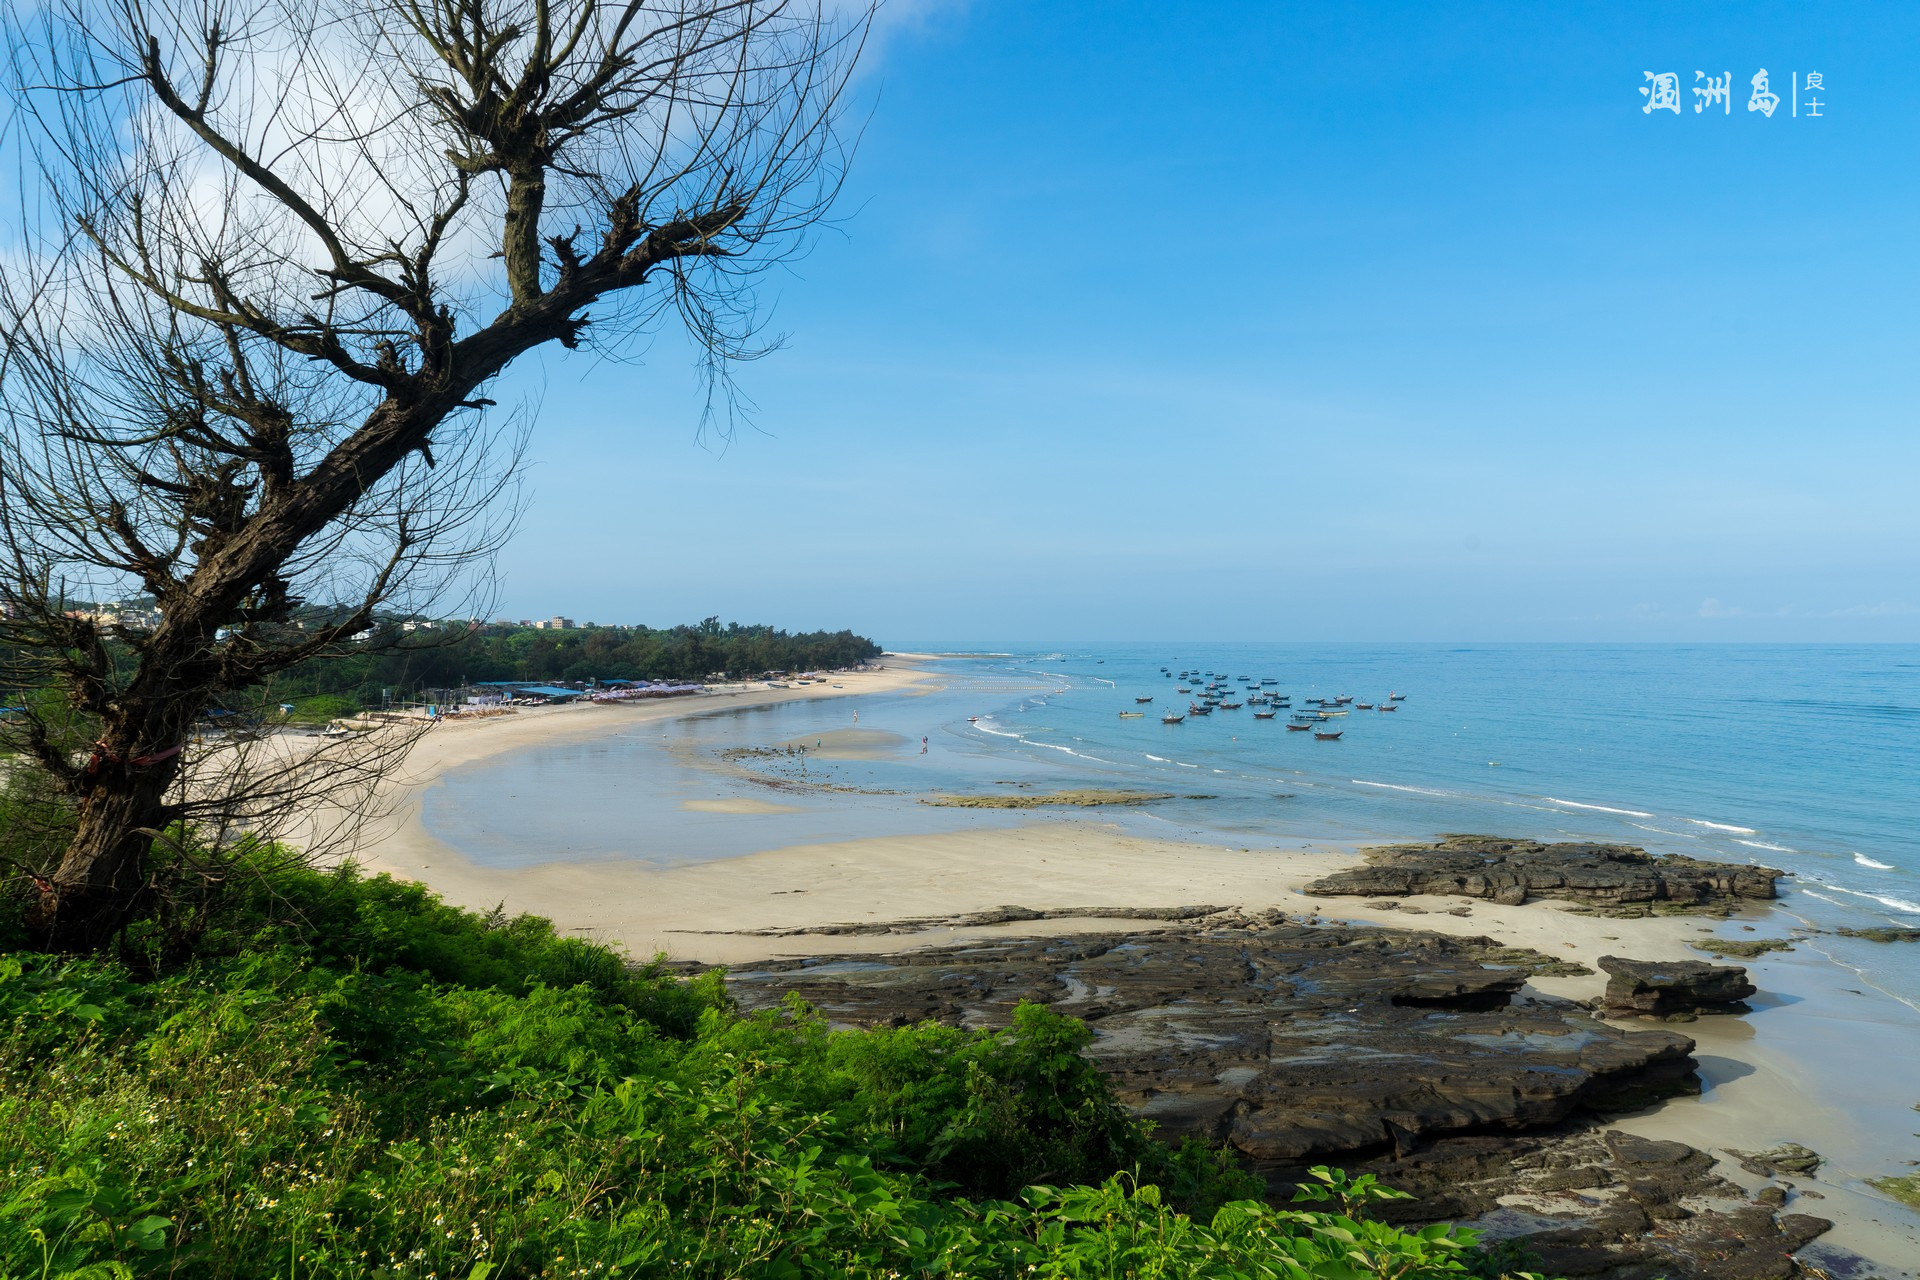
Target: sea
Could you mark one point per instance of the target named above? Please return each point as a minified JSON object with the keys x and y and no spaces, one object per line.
{"x":1800,"y":757}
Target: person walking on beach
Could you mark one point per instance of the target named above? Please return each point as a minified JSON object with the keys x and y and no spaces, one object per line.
{"x":923,"y":745}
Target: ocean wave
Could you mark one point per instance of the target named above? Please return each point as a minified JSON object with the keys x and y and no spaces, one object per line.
{"x":1770,"y":848}
{"x":1720,"y":826}
{"x":1156,"y":759}
{"x":1682,"y":835}
{"x":1865,"y":861}
{"x":1184,"y":765}
{"x":1394,"y":786}
{"x":998,"y":733}
{"x":1600,"y":808}
{"x":1898,"y":904}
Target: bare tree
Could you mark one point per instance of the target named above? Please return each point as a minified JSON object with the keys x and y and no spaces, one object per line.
{"x":279,"y":251}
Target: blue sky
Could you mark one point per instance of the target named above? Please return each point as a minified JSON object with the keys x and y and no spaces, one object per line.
{"x":1302,"y":321}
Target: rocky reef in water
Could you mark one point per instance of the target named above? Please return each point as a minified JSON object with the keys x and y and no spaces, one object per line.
{"x":1613,"y":877}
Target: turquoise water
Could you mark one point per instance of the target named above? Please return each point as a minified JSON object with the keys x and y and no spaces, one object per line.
{"x":1805,"y":758}
{"x":1799,"y":757}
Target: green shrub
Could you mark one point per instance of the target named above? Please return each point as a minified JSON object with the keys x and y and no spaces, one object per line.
{"x":348,"y":1078}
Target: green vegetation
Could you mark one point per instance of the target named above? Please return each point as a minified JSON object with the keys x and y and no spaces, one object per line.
{"x":445,"y":659}
{"x":1905,"y":1188}
{"x":1743,"y":948}
{"x":317,"y":1074}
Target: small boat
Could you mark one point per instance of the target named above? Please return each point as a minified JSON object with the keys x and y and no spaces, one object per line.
{"x":1332,"y":715}
{"x":1143,"y":699}
{"x":973,"y":719}
{"x":1364,"y":706}
{"x":1199,"y":711}
{"x":1269,"y":682}
{"x":1131,"y":715}
{"x":1230,"y":706}
{"x":1182,"y":689}
{"x":1343,"y":700}
{"x":1171,"y":718}
{"x":1388,"y":706}
{"x":1396,"y":697}
{"x":1298,"y":728}
{"x":1265,"y":715}
{"x":1327,"y":735}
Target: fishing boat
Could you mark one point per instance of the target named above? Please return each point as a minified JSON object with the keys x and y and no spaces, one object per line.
{"x":1131,"y":715}
{"x":1364,"y":706}
{"x":1198,"y":711}
{"x":1396,"y":697}
{"x":1143,"y":699}
{"x":1298,"y":728}
{"x":1183,"y":689}
{"x":1269,"y":681}
{"x":1171,"y":718}
{"x":1343,"y":700}
{"x":973,"y":719}
{"x":1265,"y":715}
{"x":1388,"y":706}
{"x":1332,"y":715}
{"x":1230,"y":706}
{"x":1327,"y":735}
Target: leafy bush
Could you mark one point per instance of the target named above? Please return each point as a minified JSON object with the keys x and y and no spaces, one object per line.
{"x":350,"y":1078}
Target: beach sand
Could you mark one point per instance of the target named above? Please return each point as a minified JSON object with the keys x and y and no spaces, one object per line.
{"x":726,"y":911}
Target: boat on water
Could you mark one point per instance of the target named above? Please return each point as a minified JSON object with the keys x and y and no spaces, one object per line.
{"x":1364,"y":706}
{"x":1342,"y":700}
{"x":1327,"y":735}
{"x":1171,"y":718}
{"x":1298,"y":728}
{"x":1396,"y":697}
{"x":1143,"y":699}
{"x":1388,"y":706}
{"x":1269,"y":681}
{"x":1131,"y":715}
{"x":1230,"y":706}
{"x":1183,"y":689}
{"x":1265,"y":715}
{"x":973,"y":719}
{"x":1332,"y":715}
{"x":1198,"y":711}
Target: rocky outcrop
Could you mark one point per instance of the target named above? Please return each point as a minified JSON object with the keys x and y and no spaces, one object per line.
{"x":1609,"y":876}
{"x":1284,"y":1040}
{"x":1788,"y":1157}
{"x":1415,"y":1056}
{"x":1670,"y":988}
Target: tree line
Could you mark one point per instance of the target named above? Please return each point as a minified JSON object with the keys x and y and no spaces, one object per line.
{"x":501,"y":652}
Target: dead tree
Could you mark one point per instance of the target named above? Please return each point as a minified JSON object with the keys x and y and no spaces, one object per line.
{"x":278,"y":253}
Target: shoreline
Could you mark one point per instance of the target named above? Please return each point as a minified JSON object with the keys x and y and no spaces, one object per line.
{"x":739,"y":910}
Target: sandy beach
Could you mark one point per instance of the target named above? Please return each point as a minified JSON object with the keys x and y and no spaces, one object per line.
{"x":737,"y":910}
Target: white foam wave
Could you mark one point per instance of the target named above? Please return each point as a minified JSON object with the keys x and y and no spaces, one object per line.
{"x":1865,"y":861}
{"x":1600,"y":808}
{"x":1898,"y":904}
{"x":1770,"y":848}
{"x":1394,"y":786}
{"x":1184,"y":765}
{"x":1662,"y":831}
{"x":1721,"y":826}
{"x":1156,"y":759}
{"x":998,"y":733}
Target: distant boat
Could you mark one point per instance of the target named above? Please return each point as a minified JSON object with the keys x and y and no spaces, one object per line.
{"x":1298,"y":728}
{"x":1143,"y":699}
{"x":1364,"y":706}
{"x":1326,"y":735}
{"x":1269,"y":682}
{"x":1230,"y":706}
{"x":1198,"y":711}
{"x":1342,"y":700}
{"x":1265,"y":715}
{"x":1131,"y":715}
{"x":1183,"y":689}
{"x":973,"y":719}
{"x":1396,"y":697}
{"x":1388,"y":706}
{"x":1171,"y":718}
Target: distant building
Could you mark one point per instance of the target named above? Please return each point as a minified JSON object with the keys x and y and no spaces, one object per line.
{"x":554,"y":624}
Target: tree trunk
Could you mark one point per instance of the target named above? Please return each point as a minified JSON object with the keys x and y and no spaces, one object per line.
{"x":103,"y":874}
